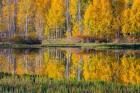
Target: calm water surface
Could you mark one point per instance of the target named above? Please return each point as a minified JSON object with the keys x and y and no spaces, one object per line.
{"x":35,"y":66}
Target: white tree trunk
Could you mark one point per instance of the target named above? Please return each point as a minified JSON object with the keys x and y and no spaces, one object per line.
{"x":68,"y":19}
{"x":9,"y":20}
{"x":15,"y":15}
{"x":26,"y":26}
{"x":80,"y":17}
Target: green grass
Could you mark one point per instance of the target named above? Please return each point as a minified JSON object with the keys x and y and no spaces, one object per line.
{"x":94,"y":45}
{"x":70,"y":44}
{"x":40,"y":84}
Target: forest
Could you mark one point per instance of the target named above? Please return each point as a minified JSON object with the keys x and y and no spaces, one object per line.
{"x":70,"y":46}
{"x":76,"y":20}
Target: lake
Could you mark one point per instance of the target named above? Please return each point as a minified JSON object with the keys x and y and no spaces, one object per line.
{"x":69,"y":70}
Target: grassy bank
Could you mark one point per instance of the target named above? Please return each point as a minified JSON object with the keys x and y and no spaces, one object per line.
{"x":93,"y":45}
{"x":40,"y":84}
{"x":83,"y":45}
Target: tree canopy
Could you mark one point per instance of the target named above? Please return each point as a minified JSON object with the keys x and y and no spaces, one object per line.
{"x":102,"y":19}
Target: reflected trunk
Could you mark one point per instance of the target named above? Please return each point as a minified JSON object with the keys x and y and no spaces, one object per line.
{"x":26,"y":60}
{"x":79,"y":72}
{"x":68,"y":61}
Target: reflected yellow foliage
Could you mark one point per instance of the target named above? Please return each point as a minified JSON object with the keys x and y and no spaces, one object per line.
{"x":130,"y":70}
{"x":121,"y":67}
{"x":98,"y":68}
{"x":53,"y":68}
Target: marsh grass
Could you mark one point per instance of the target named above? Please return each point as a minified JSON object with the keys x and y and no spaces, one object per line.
{"x":41,"y":84}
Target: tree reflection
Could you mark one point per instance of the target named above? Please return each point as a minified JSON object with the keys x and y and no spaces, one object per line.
{"x":89,"y":65}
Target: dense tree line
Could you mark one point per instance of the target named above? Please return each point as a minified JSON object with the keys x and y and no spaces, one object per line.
{"x":107,"y":20}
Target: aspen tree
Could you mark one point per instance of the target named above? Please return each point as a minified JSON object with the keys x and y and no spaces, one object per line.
{"x":68,"y":18}
{"x":135,"y":18}
{"x":41,"y":7}
{"x":55,"y":17}
{"x":118,"y":8}
{"x":98,"y":19}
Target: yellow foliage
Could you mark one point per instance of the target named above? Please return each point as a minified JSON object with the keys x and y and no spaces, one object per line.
{"x":131,"y":19}
{"x":56,"y":15}
{"x":98,"y":19}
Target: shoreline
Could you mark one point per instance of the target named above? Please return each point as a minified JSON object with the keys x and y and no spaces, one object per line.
{"x":75,"y":45}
